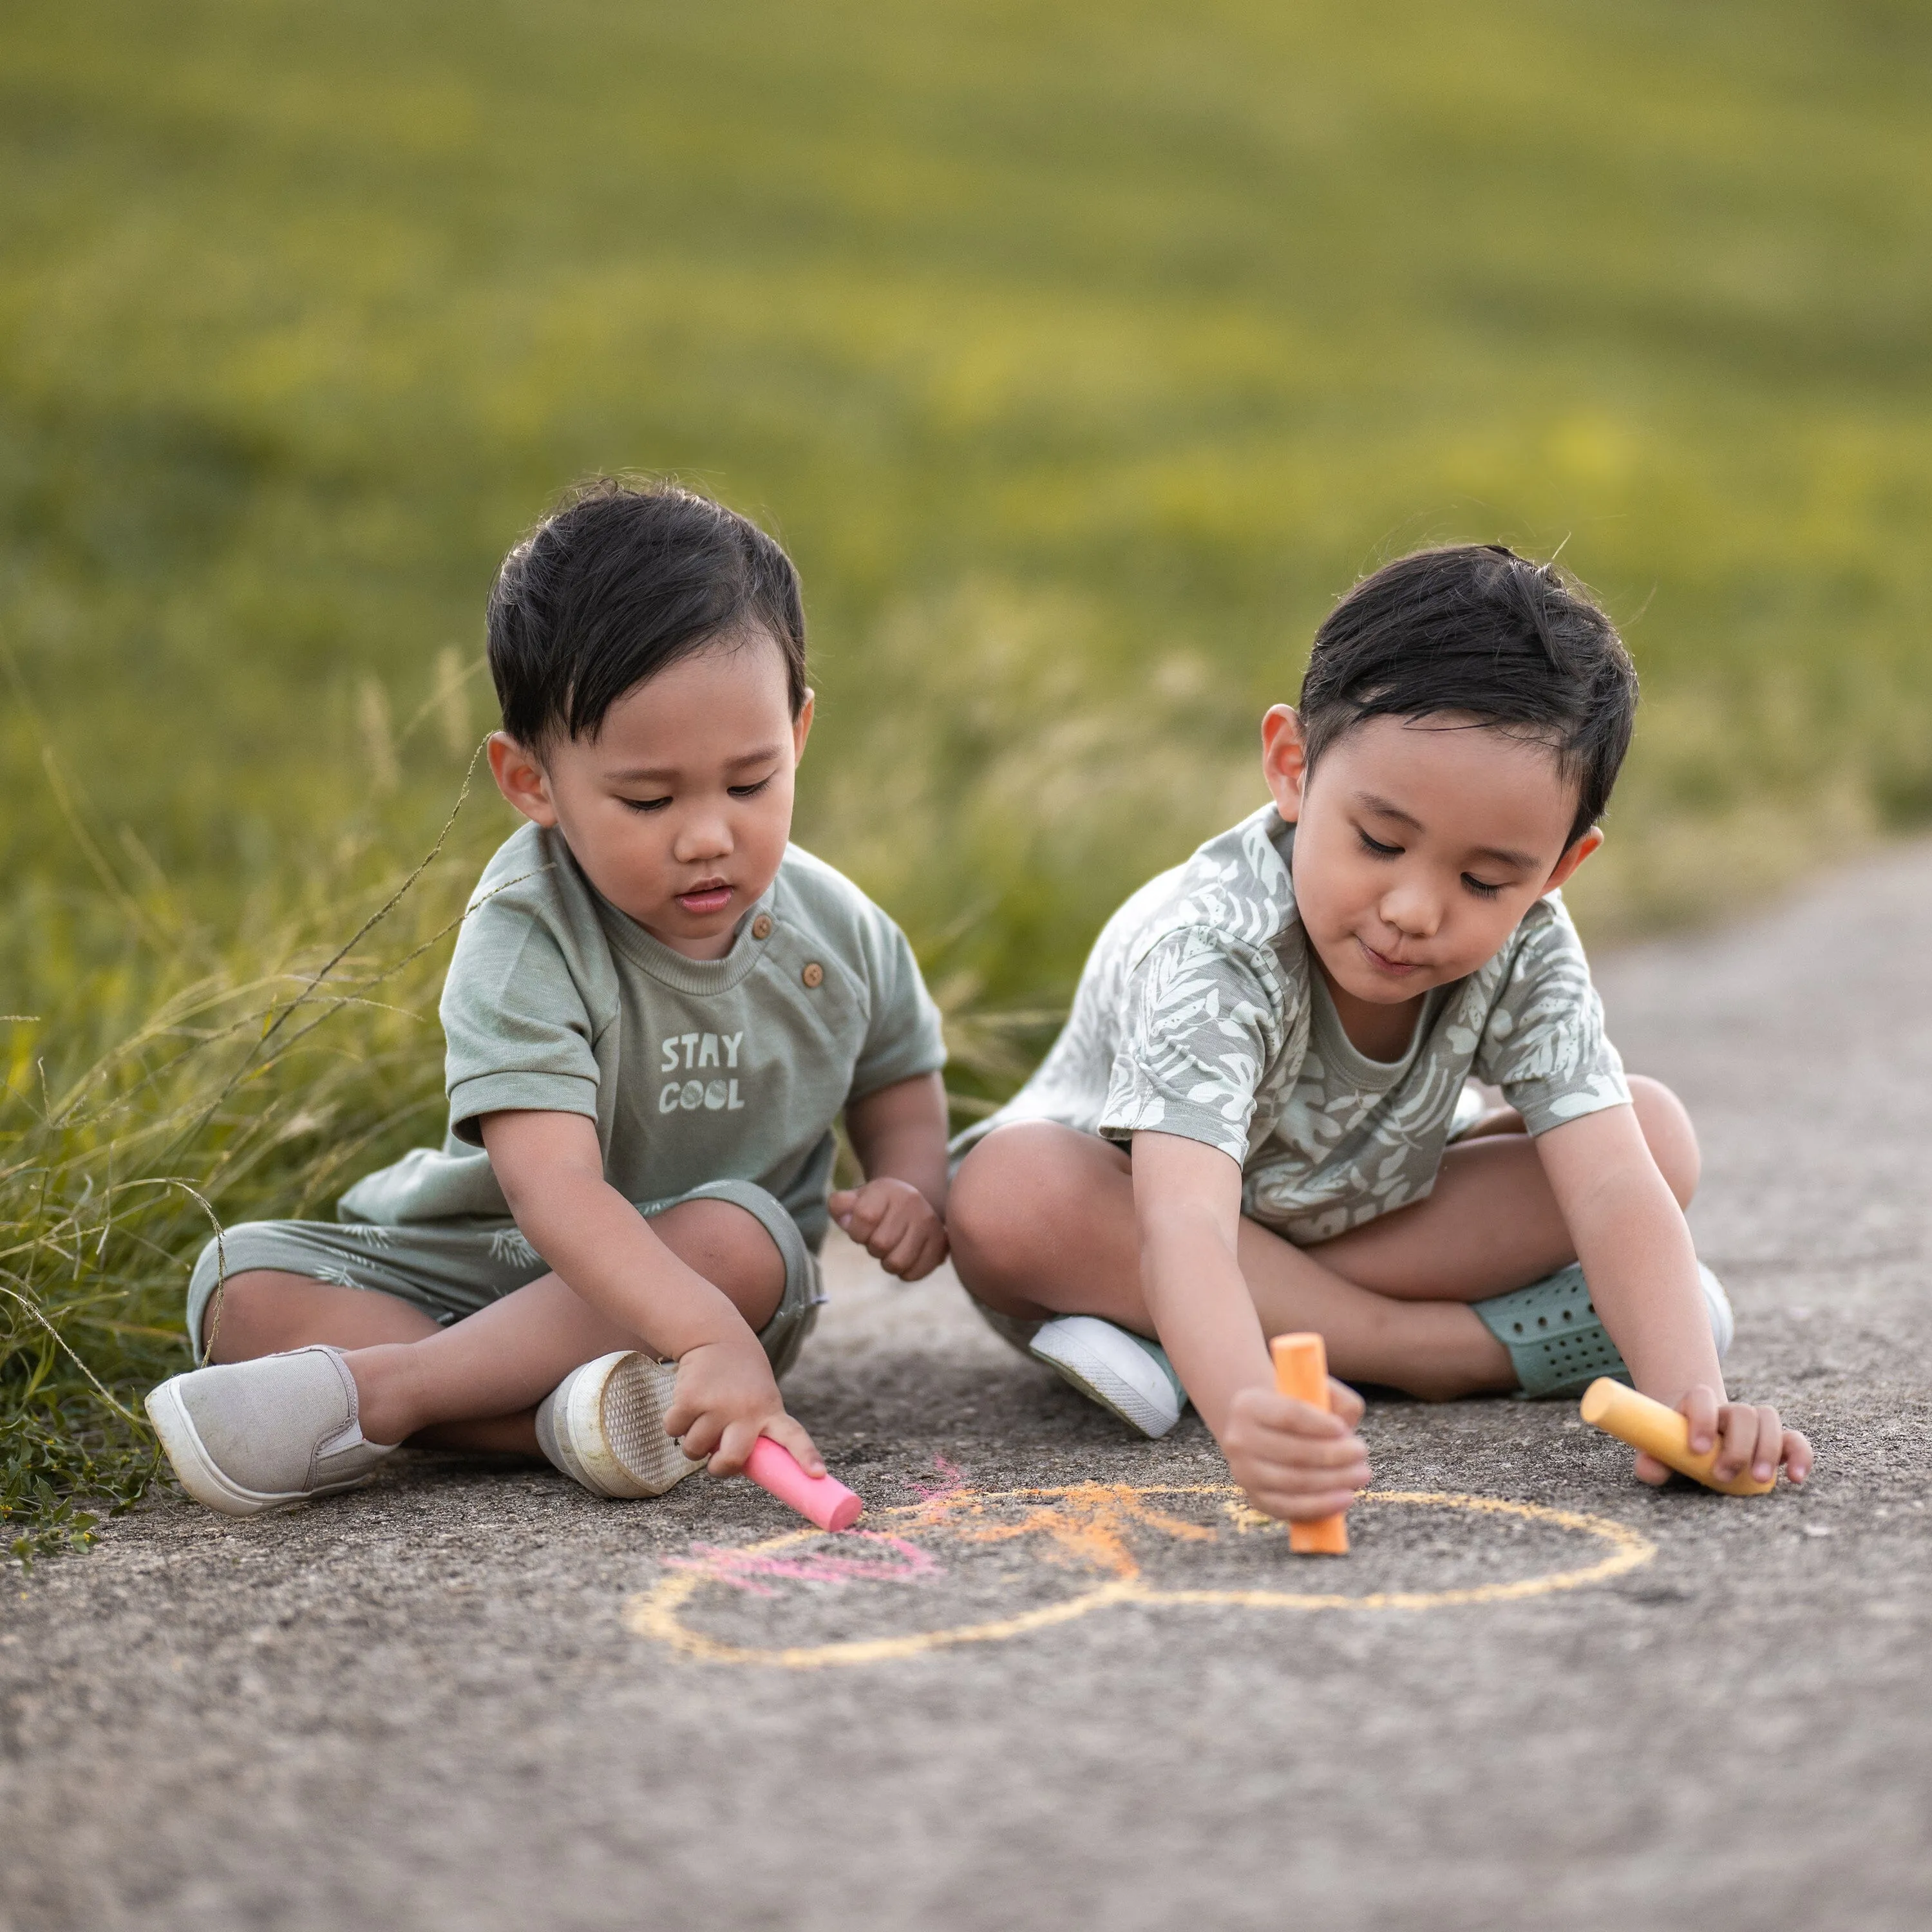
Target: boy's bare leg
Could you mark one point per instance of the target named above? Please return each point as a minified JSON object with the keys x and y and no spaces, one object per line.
{"x":1041,"y":1222}
{"x":476,"y":1383}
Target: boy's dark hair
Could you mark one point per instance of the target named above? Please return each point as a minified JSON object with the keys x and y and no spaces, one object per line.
{"x":1477,"y":629}
{"x":617,"y":583}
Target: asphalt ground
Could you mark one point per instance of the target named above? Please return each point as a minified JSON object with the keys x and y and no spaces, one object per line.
{"x":473,"y":1697}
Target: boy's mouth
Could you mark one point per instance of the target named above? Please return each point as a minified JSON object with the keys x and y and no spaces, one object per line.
{"x":713,"y":895}
{"x":1382,"y":963}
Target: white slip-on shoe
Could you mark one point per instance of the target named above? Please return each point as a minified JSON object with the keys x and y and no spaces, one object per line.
{"x":603,"y":1426}
{"x":244,"y":1437}
{"x":1124,"y":1372}
{"x":1724,"y":1324}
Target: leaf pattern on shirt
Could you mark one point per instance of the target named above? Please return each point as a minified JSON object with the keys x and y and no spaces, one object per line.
{"x":1194,"y":1016}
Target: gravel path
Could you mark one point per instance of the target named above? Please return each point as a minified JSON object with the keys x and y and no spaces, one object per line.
{"x":470,"y":1699}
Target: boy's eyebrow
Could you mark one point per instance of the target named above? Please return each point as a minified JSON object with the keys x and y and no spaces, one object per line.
{"x":662,"y":774}
{"x":1522,"y":862}
{"x":1383,"y":808}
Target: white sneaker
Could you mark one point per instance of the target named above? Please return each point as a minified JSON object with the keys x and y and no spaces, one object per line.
{"x":603,"y":1426}
{"x":1124,"y":1372}
{"x":1724,"y":1324}
{"x":244,"y":1437}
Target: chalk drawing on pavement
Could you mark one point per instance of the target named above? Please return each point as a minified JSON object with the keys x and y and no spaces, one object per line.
{"x":1093,"y":1543}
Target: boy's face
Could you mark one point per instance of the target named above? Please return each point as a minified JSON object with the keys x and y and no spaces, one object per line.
{"x":1419,"y":845}
{"x":679,"y":809}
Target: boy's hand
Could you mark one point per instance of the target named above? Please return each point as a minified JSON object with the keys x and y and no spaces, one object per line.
{"x":1745,"y":1437}
{"x":726,"y":1398}
{"x":892,"y":1221}
{"x":1297,"y":1462}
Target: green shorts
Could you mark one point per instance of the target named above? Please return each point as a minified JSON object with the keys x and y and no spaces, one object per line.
{"x":450,"y":1269}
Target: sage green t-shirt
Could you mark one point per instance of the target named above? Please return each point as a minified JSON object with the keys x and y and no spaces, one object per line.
{"x":693,"y":1070}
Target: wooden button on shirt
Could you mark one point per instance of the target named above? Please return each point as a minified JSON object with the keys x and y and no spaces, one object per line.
{"x":761,"y":926}
{"x":813,"y":973}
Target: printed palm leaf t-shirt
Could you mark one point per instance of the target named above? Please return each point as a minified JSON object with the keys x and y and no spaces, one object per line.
{"x":693,"y":1070}
{"x":1199,"y":1013}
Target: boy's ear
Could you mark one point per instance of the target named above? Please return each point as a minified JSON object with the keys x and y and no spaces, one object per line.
{"x":801,"y":725}
{"x":1284,"y":759}
{"x":1573,"y":856}
{"x":520,"y":779}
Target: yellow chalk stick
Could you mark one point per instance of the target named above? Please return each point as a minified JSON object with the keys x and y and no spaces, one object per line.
{"x":1660,"y":1431}
{"x":1301,"y":1370}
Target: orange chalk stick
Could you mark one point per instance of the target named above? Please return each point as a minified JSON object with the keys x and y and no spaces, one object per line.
{"x":1660,"y":1431}
{"x":1301,"y":1370}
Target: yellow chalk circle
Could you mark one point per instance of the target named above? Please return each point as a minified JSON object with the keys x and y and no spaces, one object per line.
{"x":1084,"y":1524}
{"x":1662,"y":1432}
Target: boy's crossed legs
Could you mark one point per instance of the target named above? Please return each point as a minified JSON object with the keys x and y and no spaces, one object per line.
{"x":476,"y":1384}
{"x":1042,"y":1223}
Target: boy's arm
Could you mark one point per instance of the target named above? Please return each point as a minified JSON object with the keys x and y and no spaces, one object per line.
{"x":1635,"y":1247}
{"x":550,"y":1168}
{"x":898,"y":1132}
{"x":1293,"y":1460}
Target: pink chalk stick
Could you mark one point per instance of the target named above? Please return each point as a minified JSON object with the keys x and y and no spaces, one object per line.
{"x":819,"y":1499}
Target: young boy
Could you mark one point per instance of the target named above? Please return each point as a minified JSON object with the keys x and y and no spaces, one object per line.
{"x":1248,"y":1125}
{"x":656,"y":1011}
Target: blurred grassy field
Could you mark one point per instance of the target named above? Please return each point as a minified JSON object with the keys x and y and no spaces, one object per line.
{"x":1082,"y":354}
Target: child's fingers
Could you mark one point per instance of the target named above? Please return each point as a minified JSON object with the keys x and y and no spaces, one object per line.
{"x":1698,"y":1409}
{"x":1649,"y":1470}
{"x":1305,"y":1462}
{"x":734,"y":1444}
{"x":683,"y":1412}
{"x":698,"y":1440}
{"x":840,"y":1201}
{"x":1345,"y":1401}
{"x":1289,"y":1506}
{"x":862,"y":1223}
{"x":1750,"y":1437}
{"x":783,"y":1430}
{"x":1797,"y":1455}
{"x":906,"y":1249}
{"x":1283,"y":1413}
{"x":888,"y":1227}
{"x":930,"y":1252}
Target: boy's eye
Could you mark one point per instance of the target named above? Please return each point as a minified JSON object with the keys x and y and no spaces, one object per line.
{"x":750,"y":790}
{"x":648,"y":804}
{"x":1375,"y":848}
{"x":1481,"y":891}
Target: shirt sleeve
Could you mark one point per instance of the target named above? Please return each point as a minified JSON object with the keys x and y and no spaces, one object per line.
{"x":518,"y":1033}
{"x":903,"y":1035}
{"x":1203,"y":1023}
{"x":1544,"y":1044}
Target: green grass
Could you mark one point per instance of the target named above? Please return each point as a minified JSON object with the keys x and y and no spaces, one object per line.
{"x":1080,"y":354}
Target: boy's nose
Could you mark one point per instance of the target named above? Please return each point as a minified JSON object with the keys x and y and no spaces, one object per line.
{"x":1413,"y":913}
{"x":704,"y":836}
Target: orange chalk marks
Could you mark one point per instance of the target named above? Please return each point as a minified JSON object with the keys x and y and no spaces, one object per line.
{"x":1088,"y":1529}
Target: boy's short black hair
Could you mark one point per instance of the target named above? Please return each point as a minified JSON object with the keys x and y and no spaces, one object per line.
{"x":617,"y":583}
{"x":1478,"y":630}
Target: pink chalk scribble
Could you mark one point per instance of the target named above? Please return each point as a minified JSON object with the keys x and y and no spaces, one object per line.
{"x":952,"y":1481}
{"x":746,"y":1569}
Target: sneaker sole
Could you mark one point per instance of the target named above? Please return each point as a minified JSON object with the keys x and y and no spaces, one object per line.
{"x":1098,"y":1381}
{"x":613,"y":1428}
{"x":203,"y":1478}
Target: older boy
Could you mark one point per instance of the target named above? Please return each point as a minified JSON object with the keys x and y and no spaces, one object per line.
{"x":656,"y":1009}
{"x":1249,"y":1123}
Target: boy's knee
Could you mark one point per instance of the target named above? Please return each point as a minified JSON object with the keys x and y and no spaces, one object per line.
{"x":732,"y":1249}
{"x":1671,"y":1138}
{"x":249,"y":1317}
{"x":992,"y":1212}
